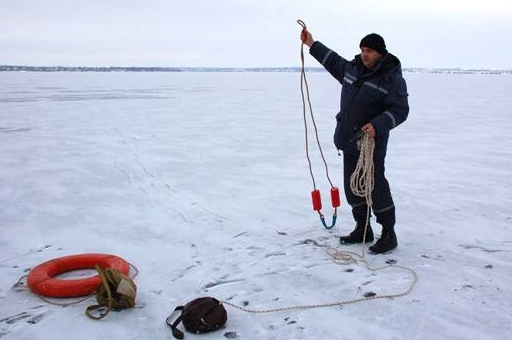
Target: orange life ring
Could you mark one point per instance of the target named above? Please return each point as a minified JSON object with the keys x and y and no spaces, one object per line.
{"x":40,"y":279}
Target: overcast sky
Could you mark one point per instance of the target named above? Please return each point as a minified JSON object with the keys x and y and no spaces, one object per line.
{"x":250,"y":33}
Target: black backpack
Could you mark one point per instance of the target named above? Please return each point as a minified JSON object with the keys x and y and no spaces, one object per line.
{"x":201,"y":315}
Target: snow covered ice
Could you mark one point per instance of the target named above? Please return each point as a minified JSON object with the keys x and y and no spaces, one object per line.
{"x":201,"y":181}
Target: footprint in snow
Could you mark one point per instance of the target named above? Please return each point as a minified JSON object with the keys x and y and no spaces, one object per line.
{"x":231,"y":335}
{"x":29,"y":316}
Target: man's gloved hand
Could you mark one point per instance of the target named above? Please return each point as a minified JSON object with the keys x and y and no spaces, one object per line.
{"x":369,"y":129}
{"x":306,"y":37}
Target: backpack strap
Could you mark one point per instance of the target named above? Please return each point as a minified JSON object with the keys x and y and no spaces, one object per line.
{"x":174,"y":325}
{"x":105,"y":283}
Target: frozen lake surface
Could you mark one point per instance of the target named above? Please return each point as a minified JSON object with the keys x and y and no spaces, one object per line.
{"x":201,"y":181}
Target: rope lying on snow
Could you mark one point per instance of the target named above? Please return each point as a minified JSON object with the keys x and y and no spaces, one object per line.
{"x":340,"y":258}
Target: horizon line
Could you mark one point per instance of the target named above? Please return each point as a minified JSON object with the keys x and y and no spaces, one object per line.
{"x":4,"y":67}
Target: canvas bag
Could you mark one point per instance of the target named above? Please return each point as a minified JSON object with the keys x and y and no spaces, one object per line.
{"x":201,"y":315}
{"x":117,"y":291}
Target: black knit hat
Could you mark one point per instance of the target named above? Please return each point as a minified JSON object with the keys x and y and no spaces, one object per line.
{"x":375,"y":42}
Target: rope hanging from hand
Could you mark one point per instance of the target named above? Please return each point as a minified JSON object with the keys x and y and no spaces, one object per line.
{"x":315,"y":194}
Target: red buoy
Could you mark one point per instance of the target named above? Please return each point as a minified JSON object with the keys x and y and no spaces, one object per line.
{"x":40,"y":279}
{"x":317,"y":201}
{"x":335,"y":197}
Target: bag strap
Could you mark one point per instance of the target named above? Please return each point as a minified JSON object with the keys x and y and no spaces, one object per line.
{"x":174,"y":325}
{"x":89,"y":309}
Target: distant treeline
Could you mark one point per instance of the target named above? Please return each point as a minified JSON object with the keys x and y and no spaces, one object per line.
{"x":226,"y":69}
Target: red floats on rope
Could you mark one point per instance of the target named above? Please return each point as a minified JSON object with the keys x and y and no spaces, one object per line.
{"x":317,"y":200}
{"x":335,"y":197}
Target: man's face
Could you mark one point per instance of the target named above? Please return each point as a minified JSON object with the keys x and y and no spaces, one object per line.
{"x":369,"y":57}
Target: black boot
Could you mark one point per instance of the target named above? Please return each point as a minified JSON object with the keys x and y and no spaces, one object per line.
{"x":356,"y":236}
{"x":386,"y":242}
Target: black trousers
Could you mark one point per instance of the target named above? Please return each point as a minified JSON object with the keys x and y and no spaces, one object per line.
{"x":383,"y":206}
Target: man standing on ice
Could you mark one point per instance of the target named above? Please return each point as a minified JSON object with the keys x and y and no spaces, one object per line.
{"x":373,"y":100}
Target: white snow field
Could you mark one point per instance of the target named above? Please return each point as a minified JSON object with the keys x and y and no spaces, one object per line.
{"x":201,"y":181}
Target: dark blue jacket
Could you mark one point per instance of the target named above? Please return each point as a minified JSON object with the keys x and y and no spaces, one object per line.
{"x":378,"y":96}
